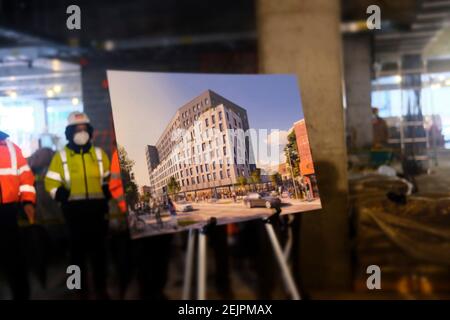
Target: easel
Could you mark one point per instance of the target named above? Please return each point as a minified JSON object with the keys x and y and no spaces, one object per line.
{"x":201,"y":259}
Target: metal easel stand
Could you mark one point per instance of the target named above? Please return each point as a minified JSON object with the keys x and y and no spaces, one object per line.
{"x":280,"y":256}
{"x":201,"y":261}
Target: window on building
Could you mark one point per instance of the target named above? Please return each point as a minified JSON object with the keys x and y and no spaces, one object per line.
{"x":224,"y":139}
{"x":187,"y":181}
{"x":224,"y":151}
{"x":220,"y":127}
{"x":228,"y":117}
{"x":235,"y":123}
{"x":206,"y":167}
{"x":213,"y":119}
{"x":220,"y":115}
{"x":201,"y":168}
{"x":207,"y":122}
{"x":228,"y":173}
{"x":203,"y":146}
{"x":193,"y":180}
{"x":214,"y":176}
{"x":221,"y":174}
{"x":206,"y":101}
{"x":198,"y":179}
{"x":208,"y":177}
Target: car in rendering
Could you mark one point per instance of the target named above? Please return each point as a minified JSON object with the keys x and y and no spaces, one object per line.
{"x":257,"y":199}
{"x":184,"y":206}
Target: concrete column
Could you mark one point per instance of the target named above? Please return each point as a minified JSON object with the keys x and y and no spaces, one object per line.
{"x":357,"y":65}
{"x":303,"y":37}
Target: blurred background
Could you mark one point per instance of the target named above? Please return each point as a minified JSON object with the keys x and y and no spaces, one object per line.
{"x":376,"y":105}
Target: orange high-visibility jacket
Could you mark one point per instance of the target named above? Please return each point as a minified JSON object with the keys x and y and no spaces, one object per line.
{"x":115,"y":183}
{"x":16,"y":178}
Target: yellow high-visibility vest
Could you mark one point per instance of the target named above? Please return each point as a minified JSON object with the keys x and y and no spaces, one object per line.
{"x":83,"y":174}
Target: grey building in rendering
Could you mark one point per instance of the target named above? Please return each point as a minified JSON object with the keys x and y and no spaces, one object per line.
{"x":202,"y":147}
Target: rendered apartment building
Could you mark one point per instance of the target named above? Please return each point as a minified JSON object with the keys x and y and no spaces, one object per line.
{"x":200,"y":149}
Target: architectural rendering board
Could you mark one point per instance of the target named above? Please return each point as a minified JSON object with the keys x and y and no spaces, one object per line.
{"x":233,"y":147}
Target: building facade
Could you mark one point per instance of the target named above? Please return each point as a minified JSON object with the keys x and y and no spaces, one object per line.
{"x":203,"y":147}
{"x":306,"y":162}
{"x":304,"y":150}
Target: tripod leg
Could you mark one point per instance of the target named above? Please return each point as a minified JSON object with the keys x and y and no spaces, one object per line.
{"x":288,"y":279}
{"x":288,"y":246}
{"x":188,"y":266}
{"x":201,"y":276}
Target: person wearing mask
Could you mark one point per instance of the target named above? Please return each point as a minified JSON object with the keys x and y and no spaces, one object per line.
{"x":78,"y":179}
{"x":16,"y":191}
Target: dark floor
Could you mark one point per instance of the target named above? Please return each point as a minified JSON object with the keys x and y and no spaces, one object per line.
{"x":411,"y":281}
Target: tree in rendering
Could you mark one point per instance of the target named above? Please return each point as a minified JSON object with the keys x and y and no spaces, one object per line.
{"x":292,"y":156}
{"x":256,"y":176}
{"x":173,"y":186}
{"x":275,"y":179}
{"x":242,"y":181}
{"x":129,"y":184}
{"x":293,"y":160}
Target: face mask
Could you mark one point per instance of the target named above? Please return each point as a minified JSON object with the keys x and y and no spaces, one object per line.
{"x":81,"y":138}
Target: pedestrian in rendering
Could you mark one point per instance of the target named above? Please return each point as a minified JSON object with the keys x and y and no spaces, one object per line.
{"x":155,"y":209}
{"x":173,"y":213}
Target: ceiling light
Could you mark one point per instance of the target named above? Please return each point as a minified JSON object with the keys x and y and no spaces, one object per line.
{"x":57,"y":88}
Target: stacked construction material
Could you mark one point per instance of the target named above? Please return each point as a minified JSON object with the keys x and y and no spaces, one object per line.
{"x":409,"y":237}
